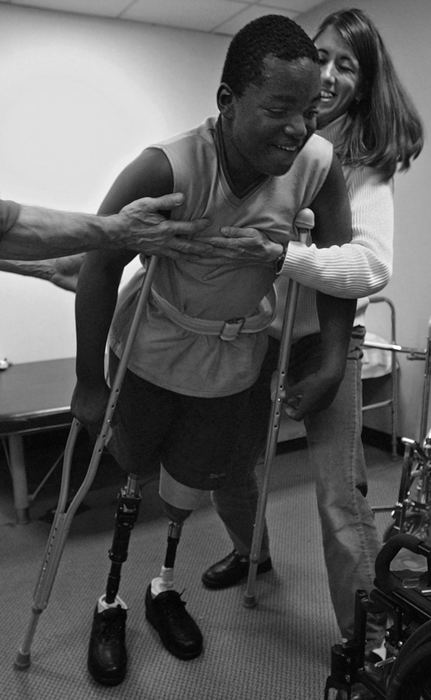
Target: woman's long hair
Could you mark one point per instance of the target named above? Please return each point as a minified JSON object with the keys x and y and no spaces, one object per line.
{"x":385,"y":131}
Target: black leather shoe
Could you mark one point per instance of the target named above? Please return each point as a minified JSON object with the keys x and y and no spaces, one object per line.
{"x":358,"y":692}
{"x":177,"y":629}
{"x":231,"y":570}
{"x":107,"y":655}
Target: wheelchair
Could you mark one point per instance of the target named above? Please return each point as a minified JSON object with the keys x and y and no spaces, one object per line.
{"x":405,"y":597}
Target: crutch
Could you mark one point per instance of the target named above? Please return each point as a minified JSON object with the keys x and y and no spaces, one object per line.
{"x":304,"y":222}
{"x":64,"y":515}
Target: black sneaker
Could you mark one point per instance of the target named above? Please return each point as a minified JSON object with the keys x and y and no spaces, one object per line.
{"x":107,"y":655}
{"x":177,"y":629}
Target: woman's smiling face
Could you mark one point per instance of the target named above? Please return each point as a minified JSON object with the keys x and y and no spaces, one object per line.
{"x":340,"y":76}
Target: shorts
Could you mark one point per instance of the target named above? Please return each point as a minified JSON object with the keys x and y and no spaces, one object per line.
{"x":192,"y":437}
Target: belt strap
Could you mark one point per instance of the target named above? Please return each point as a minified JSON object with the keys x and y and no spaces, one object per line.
{"x":226,"y":330}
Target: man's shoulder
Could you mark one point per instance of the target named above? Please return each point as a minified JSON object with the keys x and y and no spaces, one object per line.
{"x":318,"y":147}
{"x":203,"y":133}
{"x":9,"y":212}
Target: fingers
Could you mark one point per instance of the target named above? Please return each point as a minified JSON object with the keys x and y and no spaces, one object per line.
{"x":166,"y":201}
{"x":246,"y":233}
{"x":187,"y":228}
{"x":294,"y":408}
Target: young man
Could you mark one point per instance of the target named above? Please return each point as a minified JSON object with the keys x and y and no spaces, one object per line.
{"x":203,"y":336}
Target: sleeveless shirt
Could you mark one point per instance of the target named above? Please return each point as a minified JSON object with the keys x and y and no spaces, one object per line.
{"x":197,"y":364}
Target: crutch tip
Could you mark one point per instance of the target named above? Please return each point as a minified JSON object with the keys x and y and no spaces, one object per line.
{"x":249,"y":601}
{"x":22,"y":660}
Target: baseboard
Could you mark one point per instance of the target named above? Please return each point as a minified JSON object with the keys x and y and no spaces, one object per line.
{"x":378,"y":438}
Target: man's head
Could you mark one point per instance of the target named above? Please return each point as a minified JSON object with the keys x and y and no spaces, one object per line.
{"x":273,"y":35}
{"x":268,"y":97}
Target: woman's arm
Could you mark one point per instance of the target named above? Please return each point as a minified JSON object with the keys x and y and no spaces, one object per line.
{"x":352,"y":270}
{"x":363,"y":266}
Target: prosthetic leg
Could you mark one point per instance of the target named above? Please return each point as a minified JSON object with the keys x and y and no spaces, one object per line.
{"x":164,"y":608}
{"x":64,"y":516}
{"x":107,"y":655}
{"x":304,"y":222}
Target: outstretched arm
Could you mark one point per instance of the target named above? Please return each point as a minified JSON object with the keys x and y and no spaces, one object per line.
{"x":63,"y":272}
{"x":40,"y":233}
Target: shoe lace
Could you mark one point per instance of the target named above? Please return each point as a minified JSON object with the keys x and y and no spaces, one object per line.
{"x":174,"y":606}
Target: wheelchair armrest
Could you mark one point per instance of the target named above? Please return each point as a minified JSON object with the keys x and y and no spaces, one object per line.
{"x":385,"y":579}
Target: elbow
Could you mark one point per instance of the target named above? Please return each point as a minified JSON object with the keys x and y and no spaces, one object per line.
{"x":364,"y":285}
{"x":377,"y":280}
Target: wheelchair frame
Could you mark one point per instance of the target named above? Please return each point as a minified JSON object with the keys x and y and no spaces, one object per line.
{"x":405,"y":596}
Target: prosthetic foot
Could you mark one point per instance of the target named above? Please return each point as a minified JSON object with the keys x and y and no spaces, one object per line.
{"x":107,"y":654}
{"x":165,"y":610}
{"x":178,"y":631}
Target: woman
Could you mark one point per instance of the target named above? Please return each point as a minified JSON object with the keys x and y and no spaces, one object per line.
{"x":367,"y":115}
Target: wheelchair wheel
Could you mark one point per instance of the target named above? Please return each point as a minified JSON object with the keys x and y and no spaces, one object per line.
{"x":411,"y":676}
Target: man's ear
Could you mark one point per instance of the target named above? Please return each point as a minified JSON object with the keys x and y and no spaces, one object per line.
{"x":225,"y":101}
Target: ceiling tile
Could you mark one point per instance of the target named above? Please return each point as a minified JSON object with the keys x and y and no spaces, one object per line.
{"x":104,"y":8}
{"x":247,"y":15}
{"x":217,"y":16}
{"x":294,"y":5}
{"x":201,"y":15}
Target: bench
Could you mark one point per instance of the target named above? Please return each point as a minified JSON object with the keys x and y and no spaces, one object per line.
{"x":34,"y":397}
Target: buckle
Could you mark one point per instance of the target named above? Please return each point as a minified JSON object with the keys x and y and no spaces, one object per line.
{"x":231,"y":329}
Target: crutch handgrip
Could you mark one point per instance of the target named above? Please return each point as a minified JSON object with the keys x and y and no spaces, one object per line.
{"x":304,"y":222}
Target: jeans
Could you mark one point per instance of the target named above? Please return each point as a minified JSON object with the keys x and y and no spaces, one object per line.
{"x":336,"y":456}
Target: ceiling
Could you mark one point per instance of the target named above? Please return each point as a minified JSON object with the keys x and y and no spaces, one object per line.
{"x":212,"y":16}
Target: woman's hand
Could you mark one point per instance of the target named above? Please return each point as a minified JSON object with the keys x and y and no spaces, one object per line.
{"x":242,"y":246}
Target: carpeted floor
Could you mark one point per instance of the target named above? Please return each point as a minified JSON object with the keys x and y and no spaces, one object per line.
{"x":279,"y":650}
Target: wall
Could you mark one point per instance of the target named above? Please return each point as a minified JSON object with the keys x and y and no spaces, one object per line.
{"x":81,"y":98}
{"x":405,"y":30}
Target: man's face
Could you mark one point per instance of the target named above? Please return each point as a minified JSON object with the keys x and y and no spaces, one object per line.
{"x":271,"y":122}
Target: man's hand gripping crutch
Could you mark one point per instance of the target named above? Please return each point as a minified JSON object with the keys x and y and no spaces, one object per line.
{"x":304,"y":222}
{"x":64,"y":515}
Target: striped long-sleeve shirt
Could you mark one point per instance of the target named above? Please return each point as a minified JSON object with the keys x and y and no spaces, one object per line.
{"x":355,"y":269}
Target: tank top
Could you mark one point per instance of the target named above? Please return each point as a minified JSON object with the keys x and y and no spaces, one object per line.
{"x":196,"y":364}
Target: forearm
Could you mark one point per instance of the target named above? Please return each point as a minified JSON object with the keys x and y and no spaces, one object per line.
{"x":336,"y":318}
{"x":44,"y":269}
{"x":350,"y":271}
{"x":46,"y":233}
{"x":363,"y":266}
{"x":95,"y":303}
